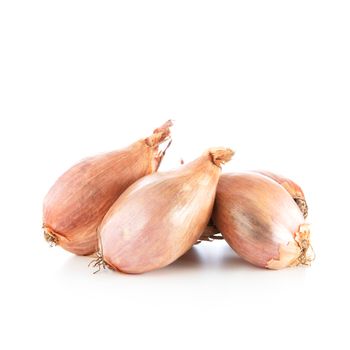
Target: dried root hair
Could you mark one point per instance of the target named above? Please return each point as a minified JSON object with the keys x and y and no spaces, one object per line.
{"x":50,"y":236}
{"x":307,"y":253}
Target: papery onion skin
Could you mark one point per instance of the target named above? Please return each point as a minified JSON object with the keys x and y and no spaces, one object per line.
{"x":292,"y":188}
{"x":159,"y":218}
{"x":259,"y":220}
{"x":78,"y":201}
{"x":211,"y":232}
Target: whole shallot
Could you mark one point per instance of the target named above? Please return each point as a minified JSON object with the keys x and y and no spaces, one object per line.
{"x":261,"y":221}
{"x":211,"y":232}
{"x":80,"y":198}
{"x":159,"y":217}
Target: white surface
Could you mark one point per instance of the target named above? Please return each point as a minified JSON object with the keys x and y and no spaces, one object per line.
{"x":267,"y":78}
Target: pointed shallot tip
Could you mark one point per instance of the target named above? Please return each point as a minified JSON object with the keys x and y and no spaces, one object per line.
{"x":165,"y":127}
{"x":160,"y":134}
{"x":221,"y":155}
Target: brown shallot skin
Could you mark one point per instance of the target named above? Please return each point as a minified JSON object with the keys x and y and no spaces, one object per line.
{"x":291,"y":187}
{"x":260,"y":221}
{"x":160,"y":217}
{"x":78,"y":201}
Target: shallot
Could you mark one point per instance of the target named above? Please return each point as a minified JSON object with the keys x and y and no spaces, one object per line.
{"x":159,"y":217}
{"x":78,"y":201}
{"x":261,"y":222}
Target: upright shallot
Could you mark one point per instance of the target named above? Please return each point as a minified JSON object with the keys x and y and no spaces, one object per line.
{"x":159,"y":217}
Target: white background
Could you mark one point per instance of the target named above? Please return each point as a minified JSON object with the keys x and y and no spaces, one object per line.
{"x":267,"y":78}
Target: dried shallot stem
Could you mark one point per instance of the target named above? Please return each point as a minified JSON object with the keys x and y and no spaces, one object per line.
{"x":159,"y":135}
{"x":221,"y":156}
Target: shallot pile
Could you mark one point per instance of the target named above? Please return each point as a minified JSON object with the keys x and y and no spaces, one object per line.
{"x":135,"y":219}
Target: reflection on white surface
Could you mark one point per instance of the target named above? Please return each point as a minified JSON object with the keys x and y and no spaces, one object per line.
{"x":214,"y":265}
{"x":208,"y":290}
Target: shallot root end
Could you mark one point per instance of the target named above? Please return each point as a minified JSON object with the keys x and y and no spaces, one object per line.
{"x":50,"y":236}
{"x":98,"y":263}
{"x":301,"y":202}
{"x":307,"y":254}
{"x":296,"y":253}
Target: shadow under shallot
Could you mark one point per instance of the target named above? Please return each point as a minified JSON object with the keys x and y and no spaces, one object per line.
{"x":191,"y":259}
{"x":207,"y":257}
{"x":232,"y":265}
{"x":192,"y":262}
{"x":230,"y":260}
{"x":203,"y":257}
{"x":77,"y":267}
